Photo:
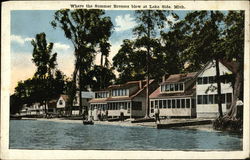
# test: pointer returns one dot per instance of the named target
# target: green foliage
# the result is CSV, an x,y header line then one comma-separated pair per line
x,y
43,57
88,30
146,55
101,77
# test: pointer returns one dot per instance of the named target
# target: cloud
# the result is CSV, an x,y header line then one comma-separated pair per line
x,y
60,46
19,39
124,22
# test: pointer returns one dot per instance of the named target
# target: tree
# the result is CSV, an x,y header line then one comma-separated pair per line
x,y
101,77
45,62
87,30
233,46
148,22
202,38
127,64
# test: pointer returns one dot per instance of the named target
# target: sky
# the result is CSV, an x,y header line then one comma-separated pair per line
x,y
25,24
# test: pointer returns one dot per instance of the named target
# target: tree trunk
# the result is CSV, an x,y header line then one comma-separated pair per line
x,y
147,83
218,87
237,88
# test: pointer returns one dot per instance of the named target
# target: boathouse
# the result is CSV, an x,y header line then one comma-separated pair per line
x,y
206,89
129,97
175,97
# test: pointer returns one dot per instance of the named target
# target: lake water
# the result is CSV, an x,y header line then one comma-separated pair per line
x,y
32,134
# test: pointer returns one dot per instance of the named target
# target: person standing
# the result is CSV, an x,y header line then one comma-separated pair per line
x,y
107,114
157,114
121,114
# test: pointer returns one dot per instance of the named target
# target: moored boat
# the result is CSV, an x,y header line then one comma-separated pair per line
x,y
88,122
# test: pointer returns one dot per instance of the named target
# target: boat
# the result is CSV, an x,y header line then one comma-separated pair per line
x,y
15,117
88,122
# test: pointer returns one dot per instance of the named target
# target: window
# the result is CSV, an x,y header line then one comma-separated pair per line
x,y
173,103
216,99
181,87
162,88
210,99
176,86
199,99
182,103
171,87
169,103
164,103
187,103
205,99
211,79
160,103
199,80
178,103
120,92
152,104
205,80
229,97
167,87
60,102
156,103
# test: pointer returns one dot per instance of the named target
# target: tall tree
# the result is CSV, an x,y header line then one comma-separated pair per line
x,y
85,29
202,35
233,46
149,21
45,61
101,77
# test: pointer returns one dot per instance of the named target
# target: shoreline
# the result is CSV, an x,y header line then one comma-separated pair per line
x,y
206,127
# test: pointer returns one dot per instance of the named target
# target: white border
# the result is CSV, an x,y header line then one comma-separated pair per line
x,y
87,154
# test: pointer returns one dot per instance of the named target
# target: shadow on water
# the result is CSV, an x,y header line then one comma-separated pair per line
x,y
56,135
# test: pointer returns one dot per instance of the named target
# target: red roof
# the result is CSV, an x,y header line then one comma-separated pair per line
x,y
157,93
98,100
175,78
128,84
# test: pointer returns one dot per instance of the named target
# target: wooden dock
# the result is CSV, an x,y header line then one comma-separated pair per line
x,y
181,124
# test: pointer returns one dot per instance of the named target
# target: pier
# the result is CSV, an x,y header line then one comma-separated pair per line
x,y
182,124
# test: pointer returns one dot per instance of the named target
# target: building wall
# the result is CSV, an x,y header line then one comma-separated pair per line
x,y
62,104
183,111
142,112
211,110
133,90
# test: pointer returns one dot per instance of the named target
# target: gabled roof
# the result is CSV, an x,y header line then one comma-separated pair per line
x,y
232,66
127,85
187,93
176,78
65,97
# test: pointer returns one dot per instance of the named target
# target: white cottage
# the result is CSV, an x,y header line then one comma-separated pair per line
x,y
175,97
130,97
206,90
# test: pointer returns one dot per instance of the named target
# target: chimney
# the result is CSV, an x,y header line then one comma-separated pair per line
x,y
164,78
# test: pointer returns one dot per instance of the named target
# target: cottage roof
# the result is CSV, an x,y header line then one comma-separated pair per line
x,y
188,92
128,84
175,78
232,66
65,97
96,100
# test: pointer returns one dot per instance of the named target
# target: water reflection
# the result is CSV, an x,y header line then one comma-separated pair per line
x,y
55,135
